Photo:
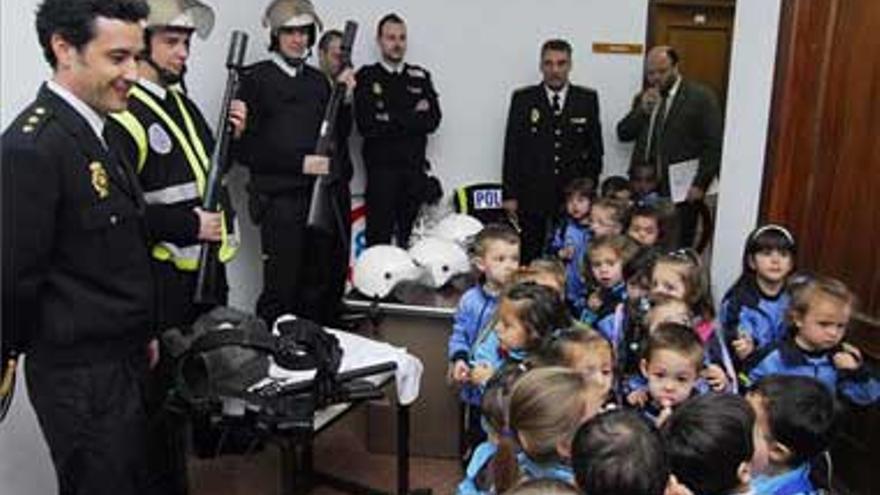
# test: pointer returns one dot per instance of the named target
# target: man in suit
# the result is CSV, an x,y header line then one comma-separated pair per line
x,y
674,120
553,137
396,107
77,287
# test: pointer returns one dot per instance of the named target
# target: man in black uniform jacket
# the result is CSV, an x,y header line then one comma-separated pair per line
x,y
286,99
328,252
553,136
396,108
77,287
671,121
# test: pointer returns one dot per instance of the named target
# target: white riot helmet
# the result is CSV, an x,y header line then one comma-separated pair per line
x,y
458,228
441,259
380,268
282,14
189,15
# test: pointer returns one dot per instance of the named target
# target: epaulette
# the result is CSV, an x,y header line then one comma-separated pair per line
x,y
34,119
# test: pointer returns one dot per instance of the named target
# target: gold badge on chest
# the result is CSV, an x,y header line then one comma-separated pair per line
x,y
535,116
100,181
377,89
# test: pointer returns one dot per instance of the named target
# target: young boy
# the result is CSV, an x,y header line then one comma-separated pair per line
x,y
496,256
796,416
608,216
643,181
618,453
713,445
671,364
617,187
570,240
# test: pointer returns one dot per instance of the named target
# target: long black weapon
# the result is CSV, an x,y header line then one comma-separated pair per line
x,y
321,208
206,283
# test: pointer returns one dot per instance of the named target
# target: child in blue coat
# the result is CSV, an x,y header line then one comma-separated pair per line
x,y
753,310
820,311
795,414
570,240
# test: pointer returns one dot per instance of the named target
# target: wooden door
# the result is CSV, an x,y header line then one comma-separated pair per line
x,y
702,33
822,175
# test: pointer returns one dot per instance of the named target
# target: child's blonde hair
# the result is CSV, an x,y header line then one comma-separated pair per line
x,y
546,407
805,290
549,266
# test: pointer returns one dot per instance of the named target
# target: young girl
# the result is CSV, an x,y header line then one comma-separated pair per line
x,y
547,406
570,240
819,313
753,310
606,257
527,312
682,275
583,350
652,225
622,329
478,474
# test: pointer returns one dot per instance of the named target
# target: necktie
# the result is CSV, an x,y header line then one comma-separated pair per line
x,y
557,108
657,130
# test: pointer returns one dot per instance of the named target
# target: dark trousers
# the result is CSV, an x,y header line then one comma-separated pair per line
x,y
392,203
326,266
283,235
687,217
92,417
167,431
533,238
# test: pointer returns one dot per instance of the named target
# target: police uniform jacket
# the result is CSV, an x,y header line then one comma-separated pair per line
x,y
164,165
77,285
395,134
543,152
284,121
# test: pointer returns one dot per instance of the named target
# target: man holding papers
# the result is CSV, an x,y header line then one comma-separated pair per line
x,y
677,126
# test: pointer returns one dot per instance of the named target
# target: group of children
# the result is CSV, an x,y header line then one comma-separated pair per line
x,y
607,368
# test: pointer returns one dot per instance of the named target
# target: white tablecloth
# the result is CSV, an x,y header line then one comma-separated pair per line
x,y
359,352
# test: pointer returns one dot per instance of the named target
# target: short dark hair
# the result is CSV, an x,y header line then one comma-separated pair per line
x,y
493,232
540,310
707,438
800,411
673,55
328,38
74,20
556,45
392,18
582,186
613,184
619,453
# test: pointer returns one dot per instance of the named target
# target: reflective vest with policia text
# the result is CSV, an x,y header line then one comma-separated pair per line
x,y
165,182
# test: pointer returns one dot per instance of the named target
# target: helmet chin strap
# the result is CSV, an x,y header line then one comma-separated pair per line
x,y
166,77
296,62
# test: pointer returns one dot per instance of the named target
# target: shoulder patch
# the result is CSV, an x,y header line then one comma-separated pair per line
x,y
417,73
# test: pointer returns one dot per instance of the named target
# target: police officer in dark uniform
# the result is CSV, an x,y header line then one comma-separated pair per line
x,y
286,99
328,252
553,136
77,287
169,139
396,108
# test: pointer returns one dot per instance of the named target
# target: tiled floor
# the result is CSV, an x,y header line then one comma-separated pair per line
x,y
340,450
